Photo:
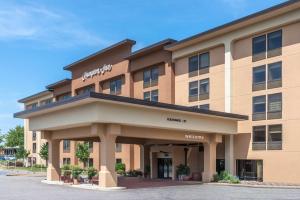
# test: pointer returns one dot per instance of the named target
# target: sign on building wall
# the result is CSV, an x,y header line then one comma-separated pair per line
x,y
98,71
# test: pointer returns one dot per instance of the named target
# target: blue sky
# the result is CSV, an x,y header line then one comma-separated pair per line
x,y
38,38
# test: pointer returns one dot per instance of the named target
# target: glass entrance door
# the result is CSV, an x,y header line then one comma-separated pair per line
x,y
164,168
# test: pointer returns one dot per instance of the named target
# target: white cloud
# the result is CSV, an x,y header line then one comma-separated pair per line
x,y
38,23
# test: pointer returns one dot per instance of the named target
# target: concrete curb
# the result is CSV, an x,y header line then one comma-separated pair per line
x,y
84,186
255,186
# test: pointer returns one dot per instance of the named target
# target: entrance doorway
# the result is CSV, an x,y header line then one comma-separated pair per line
x,y
164,168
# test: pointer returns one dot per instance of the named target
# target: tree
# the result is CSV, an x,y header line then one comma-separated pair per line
x,y
2,139
82,152
15,137
22,153
44,152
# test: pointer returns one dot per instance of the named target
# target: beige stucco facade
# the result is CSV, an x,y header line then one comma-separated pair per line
x,y
169,130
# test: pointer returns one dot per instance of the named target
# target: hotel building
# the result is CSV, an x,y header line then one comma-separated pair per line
x,y
226,98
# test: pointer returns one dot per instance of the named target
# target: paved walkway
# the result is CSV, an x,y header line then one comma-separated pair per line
x,y
31,188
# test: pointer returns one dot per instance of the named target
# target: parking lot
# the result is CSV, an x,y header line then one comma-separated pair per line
x,y
31,188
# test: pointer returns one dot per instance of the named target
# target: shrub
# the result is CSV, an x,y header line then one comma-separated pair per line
x,y
39,166
134,173
120,168
182,170
226,177
91,172
76,171
67,170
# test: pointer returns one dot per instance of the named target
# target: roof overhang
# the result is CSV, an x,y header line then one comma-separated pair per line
x,y
102,108
59,83
35,96
266,14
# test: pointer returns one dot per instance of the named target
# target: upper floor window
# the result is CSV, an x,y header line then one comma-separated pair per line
x,y
90,145
33,147
85,90
151,95
204,86
274,75
151,77
275,137
66,146
199,64
199,90
259,78
116,86
63,96
33,135
259,138
259,108
274,106
46,101
31,106
270,43
204,106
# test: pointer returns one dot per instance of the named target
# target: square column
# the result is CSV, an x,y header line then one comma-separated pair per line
x,y
229,154
210,156
53,170
107,174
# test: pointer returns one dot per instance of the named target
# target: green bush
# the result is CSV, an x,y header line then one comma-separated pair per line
x,y
76,171
39,166
66,170
226,177
183,170
120,168
91,172
134,173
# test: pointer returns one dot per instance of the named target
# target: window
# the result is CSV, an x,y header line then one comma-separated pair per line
x,y
90,145
147,96
204,86
259,138
118,147
274,43
203,60
274,106
199,63
259,78
118,160
31,106
204,107
154,95
85,90
275,137
193,63
45,102
249,170
63,96
151,96
259,108
116,86
66,161
193,91
33,147
151,77
33,135
274,75
259,48
66,146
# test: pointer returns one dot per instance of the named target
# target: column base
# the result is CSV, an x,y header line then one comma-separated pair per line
x,y
207,177
107,179
52,174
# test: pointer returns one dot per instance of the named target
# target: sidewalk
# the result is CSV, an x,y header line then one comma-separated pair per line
x,y
255,184
18,172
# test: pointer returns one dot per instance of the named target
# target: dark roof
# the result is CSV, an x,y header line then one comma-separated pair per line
x,y
126,41
133,101
58,83
151,48
34,96
265,11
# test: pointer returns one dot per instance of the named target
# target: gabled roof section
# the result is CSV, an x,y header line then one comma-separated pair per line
x,y
58,83
116,45
151,48
236,24
34,96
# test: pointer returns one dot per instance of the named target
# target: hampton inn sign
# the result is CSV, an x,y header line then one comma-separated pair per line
x,y
98,71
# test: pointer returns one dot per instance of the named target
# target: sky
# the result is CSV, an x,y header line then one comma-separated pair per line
x,y
38,38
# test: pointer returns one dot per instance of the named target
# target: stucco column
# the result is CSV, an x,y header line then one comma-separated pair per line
x,y
227,72
107,174
53,170
142,161
210,156
229,153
